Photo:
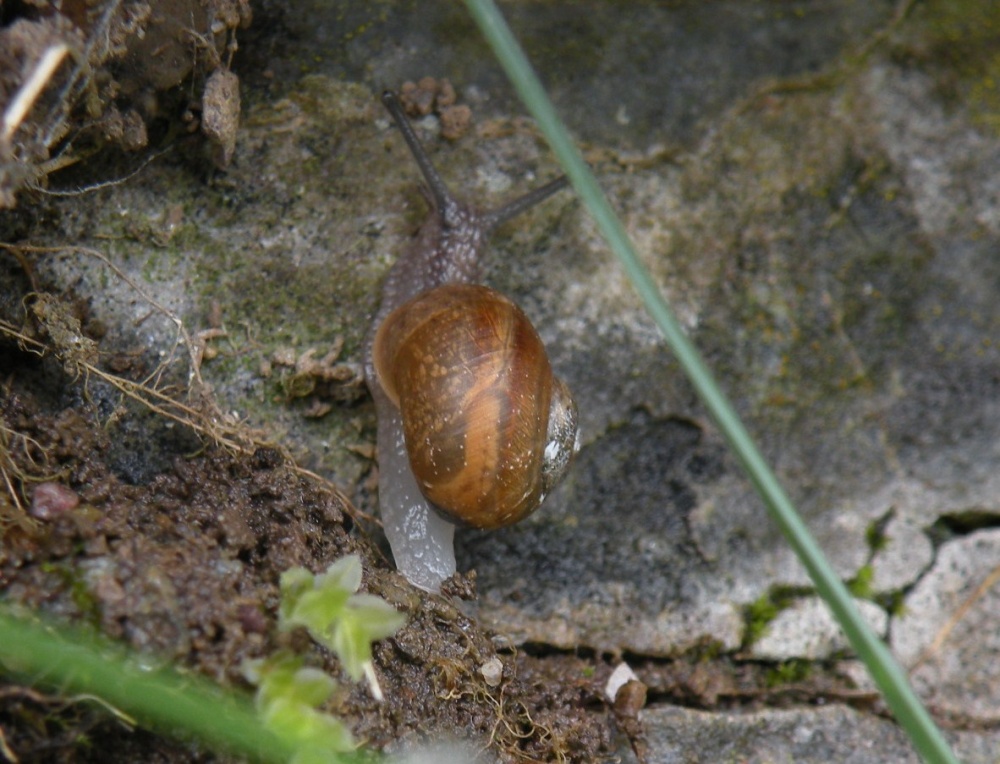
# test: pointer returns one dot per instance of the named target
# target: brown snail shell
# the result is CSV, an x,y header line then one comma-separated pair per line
x,y
488,428
489,472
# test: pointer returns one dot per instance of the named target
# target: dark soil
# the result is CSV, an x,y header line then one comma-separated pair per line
x,y
175,546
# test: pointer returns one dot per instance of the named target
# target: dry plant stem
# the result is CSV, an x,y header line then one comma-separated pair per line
x,y
5,749
56,704
184,337
41,76
207,419
150,397
26,96
10,473
942,636
80,78
231,435
58,163
11,489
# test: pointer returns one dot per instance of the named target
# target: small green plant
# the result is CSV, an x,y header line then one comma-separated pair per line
x,y
788,672
760,613
290,694
288,697
861,585
336,617
894,603
875,535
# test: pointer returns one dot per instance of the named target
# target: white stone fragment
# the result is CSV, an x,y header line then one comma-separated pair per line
x,y
492,671
622,674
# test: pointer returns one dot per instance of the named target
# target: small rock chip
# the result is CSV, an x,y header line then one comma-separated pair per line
x,y
221,113
631,698
51,500
622,674
492,671
455,121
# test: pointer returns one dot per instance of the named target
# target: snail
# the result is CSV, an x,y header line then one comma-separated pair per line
x,y
473,427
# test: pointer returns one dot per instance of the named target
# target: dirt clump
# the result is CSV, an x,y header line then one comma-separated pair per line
x,y
175,547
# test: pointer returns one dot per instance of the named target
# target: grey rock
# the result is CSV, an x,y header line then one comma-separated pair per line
x,y
806,735
807,630
948,636
906,551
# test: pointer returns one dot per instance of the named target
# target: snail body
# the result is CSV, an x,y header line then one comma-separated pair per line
x,y
473,427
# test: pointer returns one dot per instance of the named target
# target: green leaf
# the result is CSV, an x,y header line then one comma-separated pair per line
x,y
338,619
359,625
307,727
344,574
380,619
318,609
312,687
287,697
294,583
282,676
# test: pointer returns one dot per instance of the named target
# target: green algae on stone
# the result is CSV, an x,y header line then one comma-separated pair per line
x,y
956,42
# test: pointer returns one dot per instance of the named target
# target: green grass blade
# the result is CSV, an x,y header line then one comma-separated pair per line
x,y
895,687
156,696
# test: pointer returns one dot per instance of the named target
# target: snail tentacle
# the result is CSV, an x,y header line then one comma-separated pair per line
x,y
473,427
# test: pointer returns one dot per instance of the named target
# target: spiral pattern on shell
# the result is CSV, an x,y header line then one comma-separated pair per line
x,y
474,387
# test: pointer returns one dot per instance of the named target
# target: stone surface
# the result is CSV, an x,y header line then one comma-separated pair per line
x,y
807,630
825,225
948,635
905,551
805,736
